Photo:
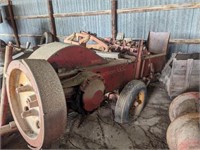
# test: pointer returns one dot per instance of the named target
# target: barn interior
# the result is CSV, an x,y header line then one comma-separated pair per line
x,y
104,74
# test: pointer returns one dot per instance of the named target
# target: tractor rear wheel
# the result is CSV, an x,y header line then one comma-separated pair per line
x,y
131,101
37,101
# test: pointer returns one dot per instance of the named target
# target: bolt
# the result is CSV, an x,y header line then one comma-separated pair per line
x,y
26,108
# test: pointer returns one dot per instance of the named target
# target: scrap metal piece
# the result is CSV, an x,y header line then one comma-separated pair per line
x,y
36,124
183,104
83,38
158,42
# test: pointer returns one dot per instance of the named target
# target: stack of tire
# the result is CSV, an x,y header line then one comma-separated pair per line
x,y
184,131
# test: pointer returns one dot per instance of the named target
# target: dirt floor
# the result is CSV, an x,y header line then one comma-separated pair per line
x,y
98,130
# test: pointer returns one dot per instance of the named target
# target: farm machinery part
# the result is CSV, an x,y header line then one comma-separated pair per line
x,y
58,77
184,131
124,46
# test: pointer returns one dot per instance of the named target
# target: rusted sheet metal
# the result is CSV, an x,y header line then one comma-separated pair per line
x,y
182,74
158,42
116,74
67,56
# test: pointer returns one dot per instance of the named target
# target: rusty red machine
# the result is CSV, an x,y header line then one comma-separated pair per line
x,y
80,74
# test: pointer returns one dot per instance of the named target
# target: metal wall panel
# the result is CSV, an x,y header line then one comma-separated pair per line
x,y
181,23
70,6
95,24
29,7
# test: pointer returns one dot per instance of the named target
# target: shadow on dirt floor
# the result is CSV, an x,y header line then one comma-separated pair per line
x,y
99,130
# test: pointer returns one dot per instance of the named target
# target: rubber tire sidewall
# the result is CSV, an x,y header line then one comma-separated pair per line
x,y
127,98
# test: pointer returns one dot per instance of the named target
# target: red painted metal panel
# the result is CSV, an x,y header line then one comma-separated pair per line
x,y
116,76
72,57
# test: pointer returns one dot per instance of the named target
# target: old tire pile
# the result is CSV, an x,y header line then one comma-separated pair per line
x,y
184,131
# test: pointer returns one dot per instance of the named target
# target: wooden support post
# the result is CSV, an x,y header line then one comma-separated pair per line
x,y
1,19
13,23
52,20
114,19
4,98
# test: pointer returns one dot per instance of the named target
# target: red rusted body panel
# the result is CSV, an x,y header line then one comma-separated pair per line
x,y
116,75
158,62
72,57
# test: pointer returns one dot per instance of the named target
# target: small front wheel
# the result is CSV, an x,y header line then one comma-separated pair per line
x,y
131,101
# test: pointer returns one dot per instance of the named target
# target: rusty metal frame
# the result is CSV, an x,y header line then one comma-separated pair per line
x,y
83,38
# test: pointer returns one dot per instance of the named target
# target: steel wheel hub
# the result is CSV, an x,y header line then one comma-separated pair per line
x,y
138,104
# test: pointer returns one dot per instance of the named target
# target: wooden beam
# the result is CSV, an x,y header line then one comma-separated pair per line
x,y
119,11
51,17
60,15
185,41
171,41
160,8
30,17
20,35
79,14
114,18
13,23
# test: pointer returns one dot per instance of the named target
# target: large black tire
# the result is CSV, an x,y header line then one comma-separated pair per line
x,y
46,38
131,101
